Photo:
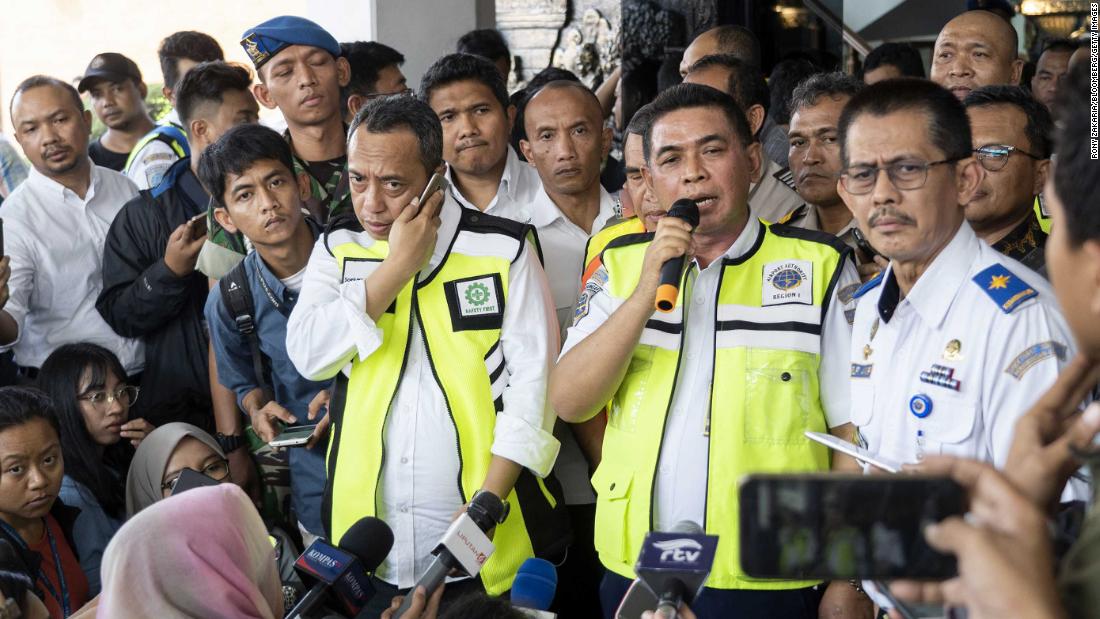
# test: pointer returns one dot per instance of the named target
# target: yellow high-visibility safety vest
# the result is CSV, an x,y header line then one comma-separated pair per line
x,y
460,308
764,396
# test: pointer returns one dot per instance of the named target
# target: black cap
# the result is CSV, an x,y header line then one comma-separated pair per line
x,y
111,67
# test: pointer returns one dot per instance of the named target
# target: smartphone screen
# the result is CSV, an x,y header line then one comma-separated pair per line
x,y
294,436
840,527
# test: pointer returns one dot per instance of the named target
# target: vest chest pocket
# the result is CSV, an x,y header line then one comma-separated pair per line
x,y
612,487
782,399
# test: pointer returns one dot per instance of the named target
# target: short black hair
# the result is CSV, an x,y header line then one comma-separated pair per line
x,y
486,42
947,123
20,405
189,44
389,114
746,82
461,67
208,82
520,98
641,119
683,96
236,151
367,59
37,81
834,84
901,55
740,42
786,75
1040,125
1076,172
481,606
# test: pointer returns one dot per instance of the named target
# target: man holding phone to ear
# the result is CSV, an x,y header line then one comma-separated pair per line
x,y
444,316
151,289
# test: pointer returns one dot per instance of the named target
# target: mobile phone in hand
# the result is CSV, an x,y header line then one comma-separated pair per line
x,y
435,183
294,436
197,225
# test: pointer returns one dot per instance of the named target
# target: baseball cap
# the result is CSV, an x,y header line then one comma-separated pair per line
x,y
109,66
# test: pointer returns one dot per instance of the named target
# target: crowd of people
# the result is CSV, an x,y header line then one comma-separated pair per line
x,y
452,291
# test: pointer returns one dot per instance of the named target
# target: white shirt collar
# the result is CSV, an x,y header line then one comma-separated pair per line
x,y
508,184
50,186
935,290
745,242
544,211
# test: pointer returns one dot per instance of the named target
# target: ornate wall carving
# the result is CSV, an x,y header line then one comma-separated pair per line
x,y
581,36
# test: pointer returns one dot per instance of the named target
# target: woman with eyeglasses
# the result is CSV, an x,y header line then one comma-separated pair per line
x,y
88,387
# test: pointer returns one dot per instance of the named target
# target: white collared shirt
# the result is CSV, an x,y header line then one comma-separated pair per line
x,y
681,481
55,240
519,187
771,198
972,363
329,328
563,243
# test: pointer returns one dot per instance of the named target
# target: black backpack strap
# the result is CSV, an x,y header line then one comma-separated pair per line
x,y
237,298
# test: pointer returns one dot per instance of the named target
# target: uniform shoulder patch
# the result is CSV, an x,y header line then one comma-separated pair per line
x,y
1032,355
869,286
786,177
794,215
1006,289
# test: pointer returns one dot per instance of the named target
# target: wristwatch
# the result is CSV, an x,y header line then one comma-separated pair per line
x,y
229,442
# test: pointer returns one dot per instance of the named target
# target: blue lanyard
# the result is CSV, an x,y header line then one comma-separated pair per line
x,y
63,599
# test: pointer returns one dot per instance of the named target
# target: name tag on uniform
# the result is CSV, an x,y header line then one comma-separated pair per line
x,y
356,269
789,281
476,302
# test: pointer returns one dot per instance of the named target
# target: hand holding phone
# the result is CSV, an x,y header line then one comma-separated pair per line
x,y
294,436
436,183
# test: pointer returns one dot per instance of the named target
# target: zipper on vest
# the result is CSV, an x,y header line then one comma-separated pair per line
x,y
439,383
671,397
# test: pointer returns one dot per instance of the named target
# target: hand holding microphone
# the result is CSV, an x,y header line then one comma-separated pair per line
x,y
666,255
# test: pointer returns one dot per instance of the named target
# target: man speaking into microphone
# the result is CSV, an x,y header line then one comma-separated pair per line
x,y
753,353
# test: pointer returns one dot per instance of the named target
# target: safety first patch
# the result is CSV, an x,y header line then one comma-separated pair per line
x,y
477,297
790,281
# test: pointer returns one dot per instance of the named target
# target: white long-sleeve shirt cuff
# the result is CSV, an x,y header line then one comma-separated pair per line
x,y
526,445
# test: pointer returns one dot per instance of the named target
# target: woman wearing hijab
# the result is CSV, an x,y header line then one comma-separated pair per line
x,y
161,458
192,569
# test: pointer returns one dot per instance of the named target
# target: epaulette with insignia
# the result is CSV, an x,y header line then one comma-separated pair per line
x,y
786,177
1006,289
869,286
794,215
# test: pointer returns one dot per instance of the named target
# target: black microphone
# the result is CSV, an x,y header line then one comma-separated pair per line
x,y
339,574
673,269
675,565
464,547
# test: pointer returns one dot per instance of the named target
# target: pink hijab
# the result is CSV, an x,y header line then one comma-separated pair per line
x,y
204,553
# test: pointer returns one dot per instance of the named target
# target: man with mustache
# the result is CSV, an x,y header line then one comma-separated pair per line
x,y
677,441
301,73
772,193
1012,133
815,163
954,341
469,95
55,224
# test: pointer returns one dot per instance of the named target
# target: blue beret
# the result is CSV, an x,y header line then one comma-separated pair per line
x,y
267,39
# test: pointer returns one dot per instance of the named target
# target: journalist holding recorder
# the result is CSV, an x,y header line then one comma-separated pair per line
x,y
757,306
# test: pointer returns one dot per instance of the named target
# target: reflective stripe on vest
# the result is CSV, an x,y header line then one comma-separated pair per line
x,y
460,310
169,134
764,395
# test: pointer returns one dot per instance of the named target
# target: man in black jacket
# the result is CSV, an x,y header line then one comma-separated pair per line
x,y
150,287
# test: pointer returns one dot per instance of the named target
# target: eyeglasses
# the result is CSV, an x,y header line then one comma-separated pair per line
x,y
217,471
124,395
400,93
906,175
994,157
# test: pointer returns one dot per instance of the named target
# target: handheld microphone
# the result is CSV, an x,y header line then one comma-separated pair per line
x,y
464,547
340,573
675,565
534,587
673,269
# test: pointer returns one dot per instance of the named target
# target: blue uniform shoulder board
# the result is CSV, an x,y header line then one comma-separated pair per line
x,y
869,286
1003,286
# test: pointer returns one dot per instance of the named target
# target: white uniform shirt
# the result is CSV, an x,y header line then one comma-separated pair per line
x,y
681,481
971,362
148,165
563,243
519,187
329,328
771,198
55,240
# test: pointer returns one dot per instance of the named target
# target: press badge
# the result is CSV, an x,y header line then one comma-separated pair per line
x,y
475,302
789,281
